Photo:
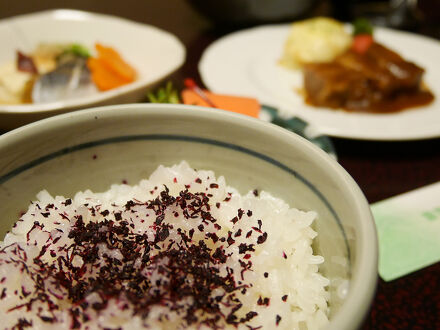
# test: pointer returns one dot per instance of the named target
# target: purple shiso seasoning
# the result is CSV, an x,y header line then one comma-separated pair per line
x,y
131,281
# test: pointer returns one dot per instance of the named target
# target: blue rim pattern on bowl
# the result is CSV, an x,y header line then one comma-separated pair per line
x,y
129,138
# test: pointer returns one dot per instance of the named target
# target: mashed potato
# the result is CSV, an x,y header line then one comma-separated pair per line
x,y
318,39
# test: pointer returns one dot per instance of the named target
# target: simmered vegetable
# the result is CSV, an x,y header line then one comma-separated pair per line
x,y
109,70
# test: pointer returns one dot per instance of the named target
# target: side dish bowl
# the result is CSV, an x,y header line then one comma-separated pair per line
x,y
124,143
153,53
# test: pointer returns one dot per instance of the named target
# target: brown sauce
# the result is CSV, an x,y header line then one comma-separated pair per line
x,y
403,101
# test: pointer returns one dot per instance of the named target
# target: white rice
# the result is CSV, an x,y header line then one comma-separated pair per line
x,y
283,285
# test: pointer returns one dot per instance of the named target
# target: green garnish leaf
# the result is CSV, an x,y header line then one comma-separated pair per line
x,y
78,50
362,26
167,94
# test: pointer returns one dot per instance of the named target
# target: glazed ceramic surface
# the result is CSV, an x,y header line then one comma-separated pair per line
x,y
94,148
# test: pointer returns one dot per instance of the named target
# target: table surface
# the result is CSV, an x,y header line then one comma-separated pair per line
x,y
382,169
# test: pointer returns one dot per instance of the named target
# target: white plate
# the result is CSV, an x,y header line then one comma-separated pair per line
x,y
246,63
152,52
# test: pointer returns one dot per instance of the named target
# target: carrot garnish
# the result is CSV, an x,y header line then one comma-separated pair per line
x,y
109,70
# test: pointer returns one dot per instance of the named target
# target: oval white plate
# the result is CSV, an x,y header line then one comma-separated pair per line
x,y
246,63
154,53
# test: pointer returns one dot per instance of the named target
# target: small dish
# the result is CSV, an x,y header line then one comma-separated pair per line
x,y
154,53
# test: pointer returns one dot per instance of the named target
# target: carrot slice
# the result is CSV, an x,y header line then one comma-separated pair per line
x,y
362,42
243,105
108,69
112,58
103,78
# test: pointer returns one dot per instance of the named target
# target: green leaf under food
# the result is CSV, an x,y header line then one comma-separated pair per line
x,y
362,26
167,94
